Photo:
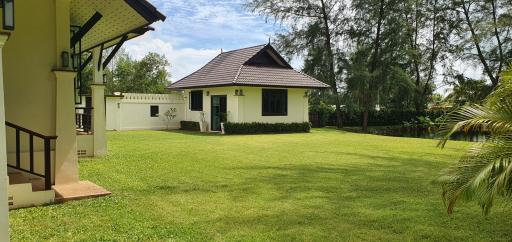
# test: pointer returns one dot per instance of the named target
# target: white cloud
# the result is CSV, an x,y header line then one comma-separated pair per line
x,y
195,31
183,61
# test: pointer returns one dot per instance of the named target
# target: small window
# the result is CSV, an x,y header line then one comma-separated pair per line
x,y
274,102
154,111
196,100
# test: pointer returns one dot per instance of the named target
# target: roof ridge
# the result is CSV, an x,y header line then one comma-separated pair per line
x,y
263,45
238,73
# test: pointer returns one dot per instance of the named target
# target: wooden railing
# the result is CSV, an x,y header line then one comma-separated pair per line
x,y
83,119
47,153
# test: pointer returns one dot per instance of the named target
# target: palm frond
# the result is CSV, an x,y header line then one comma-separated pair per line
x,y
485,171
496,119
482,174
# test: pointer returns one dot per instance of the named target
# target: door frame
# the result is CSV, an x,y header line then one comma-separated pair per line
x,y
211,110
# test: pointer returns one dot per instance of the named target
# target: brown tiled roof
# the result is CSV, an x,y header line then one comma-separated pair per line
x,y
232,69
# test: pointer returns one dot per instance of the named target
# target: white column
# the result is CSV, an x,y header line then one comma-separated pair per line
x,y
98,103
66,158
4,179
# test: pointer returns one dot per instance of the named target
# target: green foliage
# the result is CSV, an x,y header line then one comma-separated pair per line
x,y
392,117
190,125
468,91
262,128
148,75
485,171
323,112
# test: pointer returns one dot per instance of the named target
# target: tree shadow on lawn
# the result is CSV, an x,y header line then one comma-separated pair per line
x,y
389,196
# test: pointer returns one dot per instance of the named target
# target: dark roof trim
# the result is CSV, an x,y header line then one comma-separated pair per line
x,y
146,10
83,30
114,51
266,48
133,31
242,84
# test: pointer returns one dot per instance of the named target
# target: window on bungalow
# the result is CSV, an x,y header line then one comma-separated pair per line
x,y
196,100
154,111
274,102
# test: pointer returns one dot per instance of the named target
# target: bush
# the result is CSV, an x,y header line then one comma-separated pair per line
x,y
386,117
190,125
265,128
319,114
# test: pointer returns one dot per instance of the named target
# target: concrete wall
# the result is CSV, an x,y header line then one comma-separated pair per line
x,y
132,111
247,108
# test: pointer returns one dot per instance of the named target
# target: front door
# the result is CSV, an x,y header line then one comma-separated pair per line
x,y
219,111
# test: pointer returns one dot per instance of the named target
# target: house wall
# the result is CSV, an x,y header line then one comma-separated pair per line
x,y
132,111
30,96
248,108
232,104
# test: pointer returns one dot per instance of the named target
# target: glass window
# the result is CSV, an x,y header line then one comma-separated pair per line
x,y
154,111
274,102
196,100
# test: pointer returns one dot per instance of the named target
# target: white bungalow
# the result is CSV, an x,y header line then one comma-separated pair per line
x,y
252,84
45,44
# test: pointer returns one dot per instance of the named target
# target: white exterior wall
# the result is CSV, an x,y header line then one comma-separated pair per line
x,y
251,106
247,108
132,111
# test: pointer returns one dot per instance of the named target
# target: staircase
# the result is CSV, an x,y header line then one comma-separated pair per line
x,y
29,169
26,190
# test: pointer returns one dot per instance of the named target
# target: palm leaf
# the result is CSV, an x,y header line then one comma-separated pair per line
x,y
485,171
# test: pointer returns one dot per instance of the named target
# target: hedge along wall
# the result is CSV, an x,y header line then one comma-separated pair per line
x,y
266,128
190,125
382,118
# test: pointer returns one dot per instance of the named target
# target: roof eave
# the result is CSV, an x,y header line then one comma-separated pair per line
x,y
244,84
146,10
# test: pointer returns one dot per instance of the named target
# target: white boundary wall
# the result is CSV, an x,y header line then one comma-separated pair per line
x,y
132,111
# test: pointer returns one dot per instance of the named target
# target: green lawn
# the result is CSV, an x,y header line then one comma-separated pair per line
x,y
323,186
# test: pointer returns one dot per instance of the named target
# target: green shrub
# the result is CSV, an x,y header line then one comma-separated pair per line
x,y
266,128
319,114
190,125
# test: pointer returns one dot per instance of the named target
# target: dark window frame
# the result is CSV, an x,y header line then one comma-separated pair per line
x,y
195,102
270,104
152,110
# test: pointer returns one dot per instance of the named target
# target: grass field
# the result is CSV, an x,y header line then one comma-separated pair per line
x,y
327,185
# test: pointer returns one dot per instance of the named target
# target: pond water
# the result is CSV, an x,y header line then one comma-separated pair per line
x,y
420,132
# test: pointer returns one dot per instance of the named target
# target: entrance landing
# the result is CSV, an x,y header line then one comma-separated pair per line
x,y
78,191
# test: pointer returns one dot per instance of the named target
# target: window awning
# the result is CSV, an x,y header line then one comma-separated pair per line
x,y
119,18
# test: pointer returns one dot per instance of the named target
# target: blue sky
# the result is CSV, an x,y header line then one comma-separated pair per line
x,y
196,30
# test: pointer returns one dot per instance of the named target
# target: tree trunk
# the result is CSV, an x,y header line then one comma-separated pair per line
x,y
476,42
373,67
330,59
365,120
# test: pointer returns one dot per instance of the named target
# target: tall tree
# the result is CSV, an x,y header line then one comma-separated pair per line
x,y
485,36
148,75
429,28
316,32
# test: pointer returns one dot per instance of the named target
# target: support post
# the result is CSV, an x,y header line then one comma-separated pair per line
x,y
4,179
66,158
98,104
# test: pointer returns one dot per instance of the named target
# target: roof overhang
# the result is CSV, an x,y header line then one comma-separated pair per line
x,y
119,18
242,85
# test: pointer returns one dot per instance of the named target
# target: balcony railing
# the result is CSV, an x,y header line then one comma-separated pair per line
x,y
83,119
47,153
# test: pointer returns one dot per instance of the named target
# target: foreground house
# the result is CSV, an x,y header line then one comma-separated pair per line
x,y
253,84
45,44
